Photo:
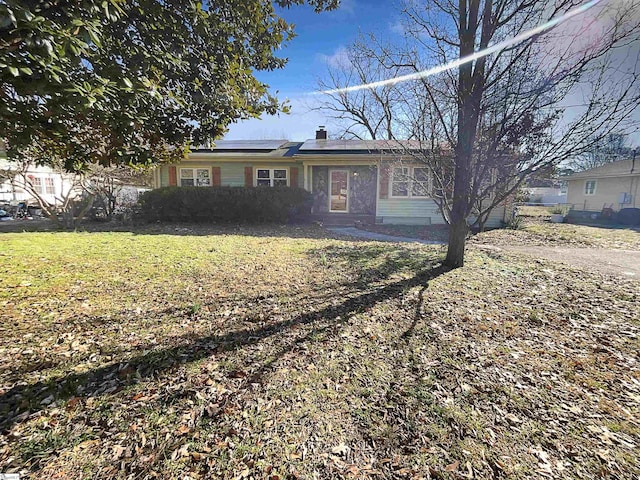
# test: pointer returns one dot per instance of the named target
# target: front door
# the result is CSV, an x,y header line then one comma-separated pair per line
x,y
339,191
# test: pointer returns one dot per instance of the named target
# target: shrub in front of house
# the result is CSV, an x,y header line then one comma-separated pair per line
x,y
224,204
558,210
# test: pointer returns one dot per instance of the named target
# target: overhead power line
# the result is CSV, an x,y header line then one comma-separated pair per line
x,y
470,58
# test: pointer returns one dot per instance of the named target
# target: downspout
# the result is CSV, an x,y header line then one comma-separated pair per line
x,y
633,166
377,207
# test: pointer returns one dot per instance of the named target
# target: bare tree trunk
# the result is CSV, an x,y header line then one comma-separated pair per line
x,y
502,119
468,111
458,231
458,228
81,214
483,217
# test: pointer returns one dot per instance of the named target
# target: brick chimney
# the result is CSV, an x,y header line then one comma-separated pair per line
x,y
321,133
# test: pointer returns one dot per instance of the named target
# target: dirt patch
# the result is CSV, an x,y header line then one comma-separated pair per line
x,y
605,250
36,224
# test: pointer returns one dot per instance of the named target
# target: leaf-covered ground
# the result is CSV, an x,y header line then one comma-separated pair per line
x,y
537,230
439,233
279,353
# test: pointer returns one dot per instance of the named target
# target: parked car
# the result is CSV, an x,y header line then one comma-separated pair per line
x,y
629,216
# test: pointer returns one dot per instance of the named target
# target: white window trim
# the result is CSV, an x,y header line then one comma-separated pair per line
x,y
391,182
195,175
37,183
52,184
271,178
410,182
595,187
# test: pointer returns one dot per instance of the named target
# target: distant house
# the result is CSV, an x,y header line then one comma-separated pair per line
x,y
612,186
547,191
50,185
349,179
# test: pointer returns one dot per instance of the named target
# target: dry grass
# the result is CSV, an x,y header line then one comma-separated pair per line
x,y
281,353
534,212
535,230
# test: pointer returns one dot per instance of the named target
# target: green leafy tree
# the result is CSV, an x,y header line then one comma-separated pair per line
x,y
136,81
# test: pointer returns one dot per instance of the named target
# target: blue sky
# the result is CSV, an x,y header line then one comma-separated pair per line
x,y
320,37
320,40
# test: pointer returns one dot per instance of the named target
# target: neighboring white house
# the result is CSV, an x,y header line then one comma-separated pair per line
x,y
552,194
51,185
614,186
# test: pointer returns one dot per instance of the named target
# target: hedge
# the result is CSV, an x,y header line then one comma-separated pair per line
x,y
224,204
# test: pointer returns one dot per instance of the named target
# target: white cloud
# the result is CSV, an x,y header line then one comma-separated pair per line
x,y
338,59
398,26
348,6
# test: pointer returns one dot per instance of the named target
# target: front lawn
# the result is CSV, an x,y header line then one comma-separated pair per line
x,y
280,353
536,230
437,233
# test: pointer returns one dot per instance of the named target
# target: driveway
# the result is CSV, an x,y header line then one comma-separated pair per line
x,y
623,263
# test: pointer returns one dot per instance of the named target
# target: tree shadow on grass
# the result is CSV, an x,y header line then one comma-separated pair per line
x,y
417,315
367,265
367,290
265,230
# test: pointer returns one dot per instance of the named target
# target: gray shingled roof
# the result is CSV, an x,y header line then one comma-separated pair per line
x,y
252,148
614,169
355,145
249,144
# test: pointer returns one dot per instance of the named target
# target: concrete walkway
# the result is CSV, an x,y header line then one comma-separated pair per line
x,y
380,237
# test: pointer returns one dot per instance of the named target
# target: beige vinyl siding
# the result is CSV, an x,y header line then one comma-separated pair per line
x,y
424,211
496,218
606,193
408,211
